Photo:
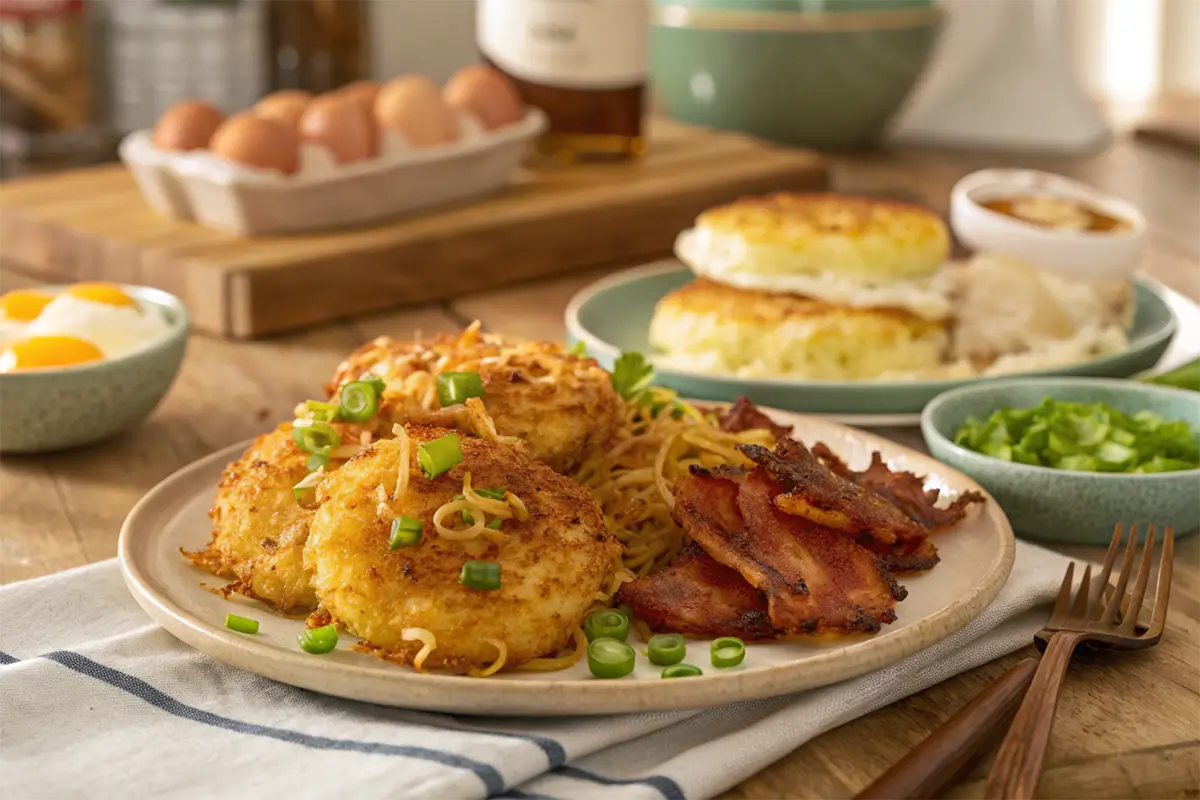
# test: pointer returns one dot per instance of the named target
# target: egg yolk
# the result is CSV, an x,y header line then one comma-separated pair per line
x,y
22,305
104,293
47,351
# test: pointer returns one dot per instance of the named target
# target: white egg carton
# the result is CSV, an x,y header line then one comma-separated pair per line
x,y
323,194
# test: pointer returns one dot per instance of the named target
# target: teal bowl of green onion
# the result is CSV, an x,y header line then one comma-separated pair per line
x,y
1069,458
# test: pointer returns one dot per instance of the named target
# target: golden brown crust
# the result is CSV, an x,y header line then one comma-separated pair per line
x,y
747,306
551,565
787,218
560,405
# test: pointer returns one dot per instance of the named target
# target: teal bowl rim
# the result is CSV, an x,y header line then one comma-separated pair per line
x,y
677,16
596,345
929,429
179,329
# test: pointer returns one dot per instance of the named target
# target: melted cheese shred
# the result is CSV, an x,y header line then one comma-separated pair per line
x,y
456,507
404,470
427,640
562,662
495,666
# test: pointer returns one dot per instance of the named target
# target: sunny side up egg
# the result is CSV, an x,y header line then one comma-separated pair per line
x,y
86,322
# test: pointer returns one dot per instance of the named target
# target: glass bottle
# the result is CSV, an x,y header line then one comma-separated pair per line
x,y
582,62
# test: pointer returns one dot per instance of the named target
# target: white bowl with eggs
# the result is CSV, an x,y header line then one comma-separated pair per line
x,y
296,163
1053,222
82,363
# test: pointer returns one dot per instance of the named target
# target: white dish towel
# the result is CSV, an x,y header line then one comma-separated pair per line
x,y
96,701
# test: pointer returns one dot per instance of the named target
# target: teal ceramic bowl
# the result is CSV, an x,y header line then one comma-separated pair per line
x,y
820,73
614,314
1053,505
55,409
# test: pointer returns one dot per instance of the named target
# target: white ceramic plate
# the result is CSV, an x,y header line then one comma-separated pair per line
x,y
976,558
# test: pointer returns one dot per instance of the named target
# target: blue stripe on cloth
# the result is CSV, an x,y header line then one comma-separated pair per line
x,y
491,778
6,659
517,794
555,753
669,788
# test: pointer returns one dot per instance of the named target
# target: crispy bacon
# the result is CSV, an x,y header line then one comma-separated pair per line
x,y
902,489
696,595
743,415
810,490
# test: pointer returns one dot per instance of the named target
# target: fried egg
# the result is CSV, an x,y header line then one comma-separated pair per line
x,y
17,309
38,352
102,314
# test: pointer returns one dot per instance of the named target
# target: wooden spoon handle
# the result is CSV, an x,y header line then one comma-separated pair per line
x,y
935,762
1018,765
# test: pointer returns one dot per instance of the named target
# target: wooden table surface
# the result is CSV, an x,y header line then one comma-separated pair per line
x,y
1128,725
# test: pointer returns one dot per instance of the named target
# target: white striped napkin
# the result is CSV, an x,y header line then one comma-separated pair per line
x,y
97,701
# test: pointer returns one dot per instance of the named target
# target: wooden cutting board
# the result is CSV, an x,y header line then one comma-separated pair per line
x,y
92,224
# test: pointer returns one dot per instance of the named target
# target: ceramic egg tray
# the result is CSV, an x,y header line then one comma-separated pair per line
x,y
227,197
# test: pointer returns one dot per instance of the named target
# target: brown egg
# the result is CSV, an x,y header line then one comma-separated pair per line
x,y
362,92
257,142
286,106
486,94
187,125
413,107
341,125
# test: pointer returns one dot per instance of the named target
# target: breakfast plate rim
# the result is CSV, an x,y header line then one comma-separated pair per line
x,y
539,697
735,384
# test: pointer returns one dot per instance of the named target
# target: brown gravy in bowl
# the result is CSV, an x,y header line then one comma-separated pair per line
x,y
1057,213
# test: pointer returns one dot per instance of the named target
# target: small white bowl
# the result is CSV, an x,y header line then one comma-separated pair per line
x,y
1082,255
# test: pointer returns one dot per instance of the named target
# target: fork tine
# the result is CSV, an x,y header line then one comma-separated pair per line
x,y
1163,595
1058,617
1080,606
1106,571
1129,621
1113,609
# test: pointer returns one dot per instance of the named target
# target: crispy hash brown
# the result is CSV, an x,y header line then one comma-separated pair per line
x,y
552,562
557,407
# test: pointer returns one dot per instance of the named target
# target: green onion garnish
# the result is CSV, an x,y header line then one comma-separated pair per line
x,y
439,455
666,648
483,575
303,490
491,494
322,412
375,381
495,524
455,388
578,349
318,640
314,436
360,401
728,651
406,532
317,460
609,658
681,671
1084,437
607,624
241,624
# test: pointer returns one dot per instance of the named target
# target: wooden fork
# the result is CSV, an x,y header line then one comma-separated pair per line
x,y
934,764
1018,765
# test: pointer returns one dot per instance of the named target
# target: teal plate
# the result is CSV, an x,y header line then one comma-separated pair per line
x,y
613,315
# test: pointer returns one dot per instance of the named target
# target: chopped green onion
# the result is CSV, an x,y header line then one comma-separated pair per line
x,y
483,575
666,648
607,624
318,640
578,349
1083,437
727,651
681,671
322,412
303,490
375,381
241,624
317,460
455,388
439,455
495,524
314,436
360,401
406,532
610,658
